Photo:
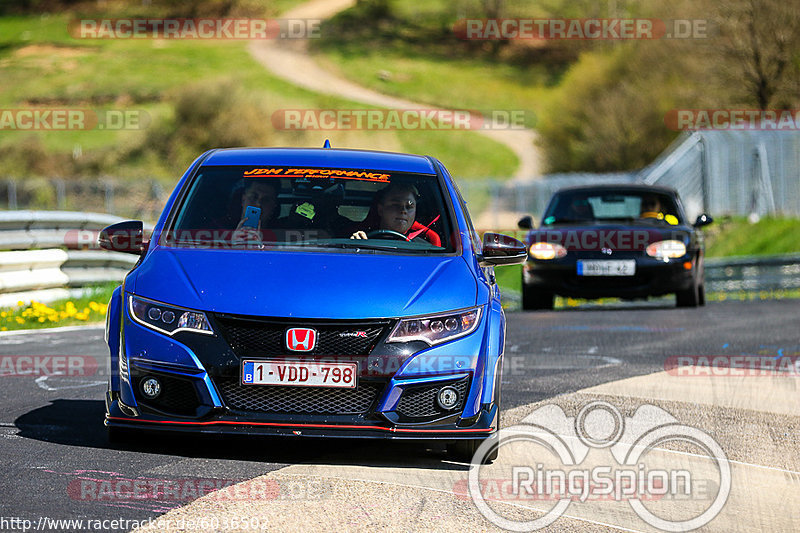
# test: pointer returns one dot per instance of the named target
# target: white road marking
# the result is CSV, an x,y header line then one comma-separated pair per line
x,y
40,381
51,330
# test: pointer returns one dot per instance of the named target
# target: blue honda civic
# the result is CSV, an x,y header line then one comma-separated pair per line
x,y
310,292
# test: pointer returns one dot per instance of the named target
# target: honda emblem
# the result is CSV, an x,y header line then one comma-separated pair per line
x,y
301,339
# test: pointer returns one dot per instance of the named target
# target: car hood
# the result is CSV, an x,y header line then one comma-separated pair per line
x,y
305,284
617,237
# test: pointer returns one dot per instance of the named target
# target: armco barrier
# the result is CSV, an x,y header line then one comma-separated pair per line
x,y
27,230
28,272
753,273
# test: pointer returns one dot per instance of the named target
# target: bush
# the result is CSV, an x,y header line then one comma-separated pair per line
x,y
206,115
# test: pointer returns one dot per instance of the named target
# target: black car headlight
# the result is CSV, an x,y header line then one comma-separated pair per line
x,y
435,329
545,251
665,250
165,318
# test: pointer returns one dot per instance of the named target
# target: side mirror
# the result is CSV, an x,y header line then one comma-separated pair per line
x,y
703,220
127,237
525,222
502,250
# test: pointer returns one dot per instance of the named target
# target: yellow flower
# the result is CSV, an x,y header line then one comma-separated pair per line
x,y
20,320
3,328
41,319
20,303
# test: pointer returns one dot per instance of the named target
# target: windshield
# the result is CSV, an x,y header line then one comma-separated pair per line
x,y
275,208
612,206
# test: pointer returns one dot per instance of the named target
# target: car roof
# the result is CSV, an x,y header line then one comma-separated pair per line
x,y
322,158
628,187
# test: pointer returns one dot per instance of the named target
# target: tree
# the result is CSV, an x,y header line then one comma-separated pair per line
x,y
760,51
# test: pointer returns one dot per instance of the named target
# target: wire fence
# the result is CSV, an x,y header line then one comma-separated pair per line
x,y
137,199
748,173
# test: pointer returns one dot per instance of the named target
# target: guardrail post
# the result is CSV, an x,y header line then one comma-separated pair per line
x,y
703,170
109,193
61,194
12,194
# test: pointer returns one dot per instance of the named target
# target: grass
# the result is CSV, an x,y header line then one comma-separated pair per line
x,y
42,66
736,236
452,83
35,315
412,52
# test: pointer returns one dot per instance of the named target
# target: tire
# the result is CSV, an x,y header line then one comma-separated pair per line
x,y
701,294
120,437
536,300
464,450
689,297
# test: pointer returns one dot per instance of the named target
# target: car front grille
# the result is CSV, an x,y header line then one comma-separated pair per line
x,y
299,400
419,401
250,337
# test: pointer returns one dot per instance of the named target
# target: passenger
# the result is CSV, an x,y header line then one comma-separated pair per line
x,y
395,210
262,194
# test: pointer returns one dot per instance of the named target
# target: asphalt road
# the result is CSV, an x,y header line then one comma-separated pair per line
x,y
58,464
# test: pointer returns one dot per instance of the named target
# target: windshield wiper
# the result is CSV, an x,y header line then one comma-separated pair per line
x,y
360,243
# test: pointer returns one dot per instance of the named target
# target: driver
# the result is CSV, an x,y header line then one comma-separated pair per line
x,y
650,207
395,209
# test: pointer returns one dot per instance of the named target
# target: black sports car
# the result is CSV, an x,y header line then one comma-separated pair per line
x,y
627,241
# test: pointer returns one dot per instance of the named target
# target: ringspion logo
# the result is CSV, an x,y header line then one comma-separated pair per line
x,y
551,462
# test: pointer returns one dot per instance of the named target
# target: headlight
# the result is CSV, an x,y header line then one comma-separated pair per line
x,y
547,250
666,249
167,318
436,329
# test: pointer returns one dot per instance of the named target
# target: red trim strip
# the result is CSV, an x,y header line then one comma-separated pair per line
x,y
279,424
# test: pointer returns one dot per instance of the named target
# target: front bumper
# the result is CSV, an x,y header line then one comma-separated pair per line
x,y
119,415
652,278
202,391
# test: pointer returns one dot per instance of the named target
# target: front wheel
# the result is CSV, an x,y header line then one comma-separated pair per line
x,y
463,451
121,436
689,297
536,299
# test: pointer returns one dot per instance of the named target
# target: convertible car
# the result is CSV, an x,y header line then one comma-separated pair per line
x,y
310,292
628,241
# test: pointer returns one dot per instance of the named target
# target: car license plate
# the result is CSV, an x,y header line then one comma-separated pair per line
x,y
607,268
299,374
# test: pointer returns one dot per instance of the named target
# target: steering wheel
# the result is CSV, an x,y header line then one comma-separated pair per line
x,y
383,233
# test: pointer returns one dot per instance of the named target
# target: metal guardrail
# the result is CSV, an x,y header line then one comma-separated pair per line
x,y
753,273
28,272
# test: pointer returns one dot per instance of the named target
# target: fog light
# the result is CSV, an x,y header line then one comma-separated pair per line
x,y
447,398
151,388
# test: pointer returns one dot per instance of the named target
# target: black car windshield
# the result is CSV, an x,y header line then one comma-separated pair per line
x,y
611,206
282,208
